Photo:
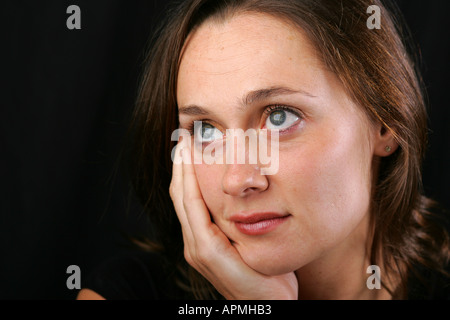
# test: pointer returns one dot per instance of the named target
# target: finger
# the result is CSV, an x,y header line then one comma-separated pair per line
x,y
194,204
176,184
176,193
208,238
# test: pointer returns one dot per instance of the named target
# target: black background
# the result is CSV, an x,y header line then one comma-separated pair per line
x,y
66,97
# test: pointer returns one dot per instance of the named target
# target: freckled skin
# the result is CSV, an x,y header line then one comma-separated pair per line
x,y
325,163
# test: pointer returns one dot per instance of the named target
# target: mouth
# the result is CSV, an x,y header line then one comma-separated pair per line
x,y
259,223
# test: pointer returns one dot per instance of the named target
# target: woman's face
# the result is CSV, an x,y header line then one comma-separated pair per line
x,y
254,71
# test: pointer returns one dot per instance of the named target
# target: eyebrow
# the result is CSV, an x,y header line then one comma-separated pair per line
x,y
249,98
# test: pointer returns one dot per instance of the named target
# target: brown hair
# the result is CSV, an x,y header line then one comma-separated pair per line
x,y
378,73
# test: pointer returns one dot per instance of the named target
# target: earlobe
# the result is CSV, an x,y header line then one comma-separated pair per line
x,y
385,144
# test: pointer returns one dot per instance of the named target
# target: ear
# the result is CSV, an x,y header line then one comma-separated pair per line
x,y
385,144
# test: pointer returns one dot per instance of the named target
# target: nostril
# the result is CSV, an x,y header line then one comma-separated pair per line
x,y
242,180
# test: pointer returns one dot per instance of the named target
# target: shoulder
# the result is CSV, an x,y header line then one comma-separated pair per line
x,y
135,275
88,294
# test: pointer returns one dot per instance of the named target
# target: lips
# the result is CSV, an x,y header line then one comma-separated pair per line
x,y
258,223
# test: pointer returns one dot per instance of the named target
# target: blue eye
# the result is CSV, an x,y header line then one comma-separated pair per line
x,y
208,133
281,119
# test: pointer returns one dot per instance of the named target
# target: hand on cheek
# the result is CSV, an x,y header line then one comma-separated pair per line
x,y
209,251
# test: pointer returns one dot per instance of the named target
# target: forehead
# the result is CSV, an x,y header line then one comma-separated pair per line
x,y
244,45
246,30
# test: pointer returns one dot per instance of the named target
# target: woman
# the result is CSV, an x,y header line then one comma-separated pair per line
x,y
347,107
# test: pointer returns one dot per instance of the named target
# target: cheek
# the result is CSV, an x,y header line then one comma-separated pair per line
x,y
327,182
211,189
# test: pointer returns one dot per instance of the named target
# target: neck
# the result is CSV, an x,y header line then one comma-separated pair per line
x,y
341,273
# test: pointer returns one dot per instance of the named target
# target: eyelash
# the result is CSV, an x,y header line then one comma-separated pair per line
x,y
267,111
190,126
277,107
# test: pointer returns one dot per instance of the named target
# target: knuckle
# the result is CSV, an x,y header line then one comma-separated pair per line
x,y
204,255
199,256
186,205
190,202
188,257
172,191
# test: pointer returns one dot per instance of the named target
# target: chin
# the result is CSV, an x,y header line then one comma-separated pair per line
x,y
269,264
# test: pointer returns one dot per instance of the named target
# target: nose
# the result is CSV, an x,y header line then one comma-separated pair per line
x,y
241,180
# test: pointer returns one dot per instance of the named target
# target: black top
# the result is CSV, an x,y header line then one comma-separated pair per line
x,y
134,276
142,276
